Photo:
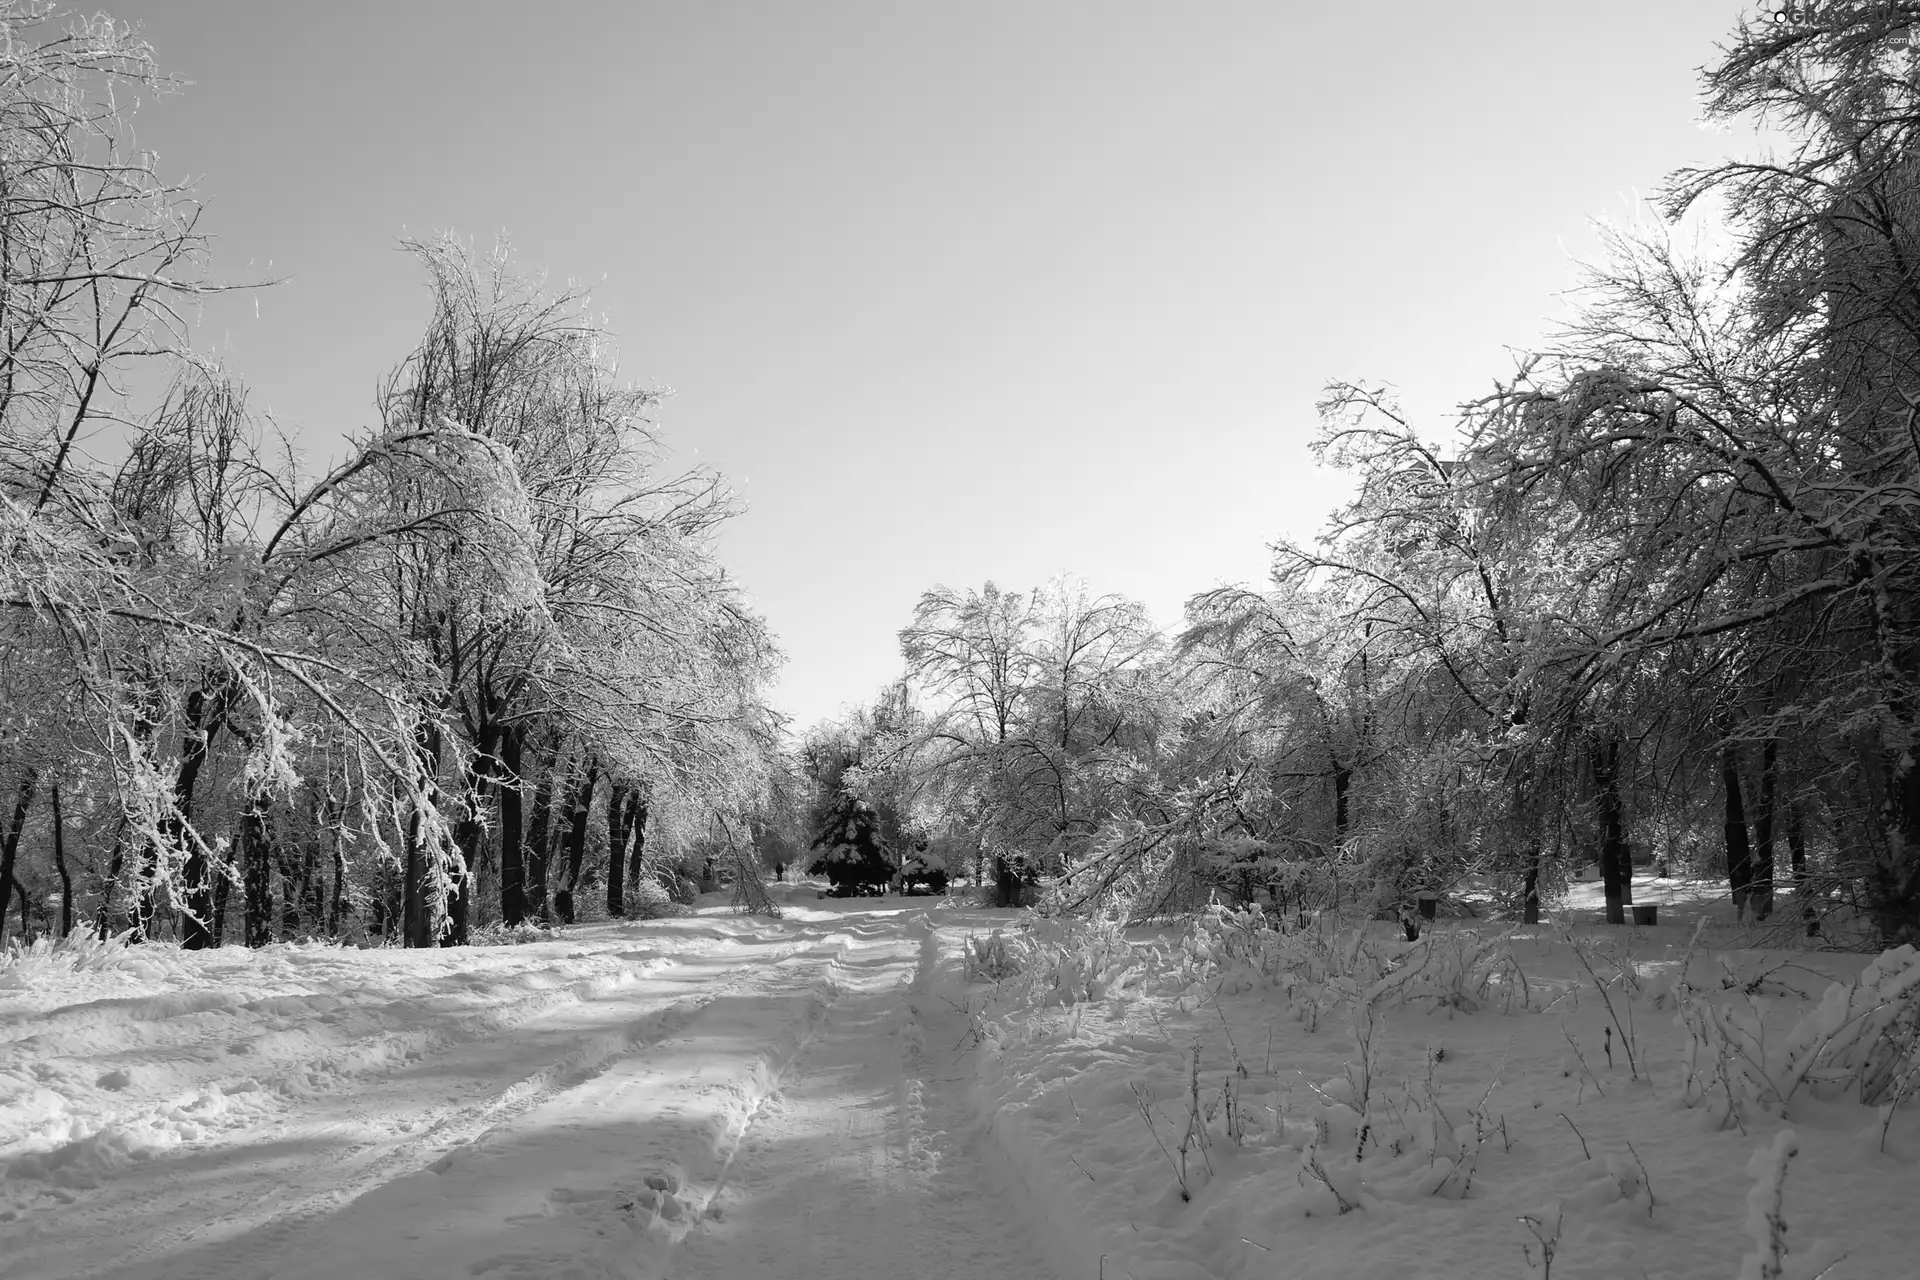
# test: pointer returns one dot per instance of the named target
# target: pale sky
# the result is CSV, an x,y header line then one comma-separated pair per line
x,y
952,292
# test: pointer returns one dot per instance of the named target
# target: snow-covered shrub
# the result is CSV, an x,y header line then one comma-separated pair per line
x,y
648,899
1319,968
923,872
1242,949
1071,962
1236,862
1767,1224
1866,1033
1453,969
1863,1039
682,887
496,934
993,958
80,951
1302,888
1364,1147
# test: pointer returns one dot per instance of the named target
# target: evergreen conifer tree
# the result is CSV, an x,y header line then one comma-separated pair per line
x,y
852,855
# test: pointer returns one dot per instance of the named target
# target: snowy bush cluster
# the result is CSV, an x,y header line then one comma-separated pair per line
x,y
1229,952
496,934
993,958
648,899
1861,1041
1323,967
79,951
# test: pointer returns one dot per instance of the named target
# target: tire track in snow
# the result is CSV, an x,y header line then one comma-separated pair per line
x,y
734,1140
868,1160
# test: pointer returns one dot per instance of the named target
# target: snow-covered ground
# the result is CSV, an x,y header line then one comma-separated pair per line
x,y
707,1096
721,1098
1518,1101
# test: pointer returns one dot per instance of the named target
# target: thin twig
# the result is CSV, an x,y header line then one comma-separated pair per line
x,y
1626,1038
1576,1133
1646,1179
1213,996
1147,1115
1582,1058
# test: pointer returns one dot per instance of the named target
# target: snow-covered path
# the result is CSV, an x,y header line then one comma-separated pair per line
x,y
868,1162
700,1098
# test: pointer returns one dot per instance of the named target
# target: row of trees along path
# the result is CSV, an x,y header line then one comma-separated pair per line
x,y
242,696
1658,593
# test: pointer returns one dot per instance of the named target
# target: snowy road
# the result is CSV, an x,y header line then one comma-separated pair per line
x,y
705,1098
867,1162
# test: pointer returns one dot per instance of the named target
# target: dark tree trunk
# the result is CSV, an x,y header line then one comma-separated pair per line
x,y
116,862
540,845
285,905
146,722
468,833
575,846
143,899
1797,855
1739,853
467,836
385,902
1006,882
222,892
420,886
617,830
1760,891
256,872
302,898
416,927
336,900
60,864
1894,884
1615,866
624,841
513,871
1530,892
1342,799
313,878
204,715
295,864
637,854
416,914
10,841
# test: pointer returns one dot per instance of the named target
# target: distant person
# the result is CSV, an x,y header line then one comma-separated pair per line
x,y
779,871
